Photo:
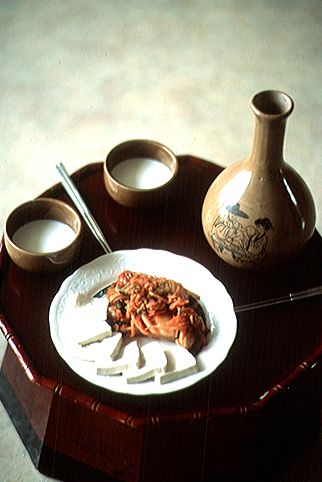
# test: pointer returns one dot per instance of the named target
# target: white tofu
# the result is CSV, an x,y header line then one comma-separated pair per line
x,y
181,363
95,308
90,320
130,359
155,361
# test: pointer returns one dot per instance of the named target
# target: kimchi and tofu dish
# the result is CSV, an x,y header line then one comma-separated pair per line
x,y
154,309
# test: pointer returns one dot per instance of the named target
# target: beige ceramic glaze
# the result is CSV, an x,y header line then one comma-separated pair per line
x,y
133,149
260,211
37,209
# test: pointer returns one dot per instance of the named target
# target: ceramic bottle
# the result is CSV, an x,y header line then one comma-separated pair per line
x,y
259,211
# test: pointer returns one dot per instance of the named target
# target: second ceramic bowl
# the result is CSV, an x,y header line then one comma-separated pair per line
x,y
139,173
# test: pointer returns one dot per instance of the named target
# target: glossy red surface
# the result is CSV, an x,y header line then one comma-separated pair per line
x,y
276,348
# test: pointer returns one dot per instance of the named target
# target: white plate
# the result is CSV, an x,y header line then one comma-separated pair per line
x,y
96,275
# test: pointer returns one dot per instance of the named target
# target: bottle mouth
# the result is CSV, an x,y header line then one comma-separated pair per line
x,y
272,104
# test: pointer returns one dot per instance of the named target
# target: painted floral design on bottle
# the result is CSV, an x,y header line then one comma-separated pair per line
x,y
245,243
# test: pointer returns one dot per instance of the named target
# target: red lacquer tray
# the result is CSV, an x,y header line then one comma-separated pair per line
x,y
257,408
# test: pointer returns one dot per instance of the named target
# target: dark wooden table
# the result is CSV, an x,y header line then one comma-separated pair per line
x,y
260,407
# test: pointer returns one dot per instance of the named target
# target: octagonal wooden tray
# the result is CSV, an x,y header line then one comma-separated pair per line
x,y
256,409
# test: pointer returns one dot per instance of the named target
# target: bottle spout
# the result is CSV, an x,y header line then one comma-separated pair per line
x,y
272,105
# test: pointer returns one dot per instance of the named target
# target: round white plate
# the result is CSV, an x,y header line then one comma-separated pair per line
x,y
96,275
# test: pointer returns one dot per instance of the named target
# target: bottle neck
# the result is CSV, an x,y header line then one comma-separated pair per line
x,y
268,142
271,109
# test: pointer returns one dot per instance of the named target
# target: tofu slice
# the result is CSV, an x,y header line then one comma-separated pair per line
x,y
100,351
155,361
90,320
181,363
130,359
96,336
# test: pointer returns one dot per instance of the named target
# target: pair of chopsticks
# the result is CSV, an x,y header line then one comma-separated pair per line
x,y
299,295
75,196
79,202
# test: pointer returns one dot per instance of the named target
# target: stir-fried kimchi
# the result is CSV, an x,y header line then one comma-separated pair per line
x,y
156,307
